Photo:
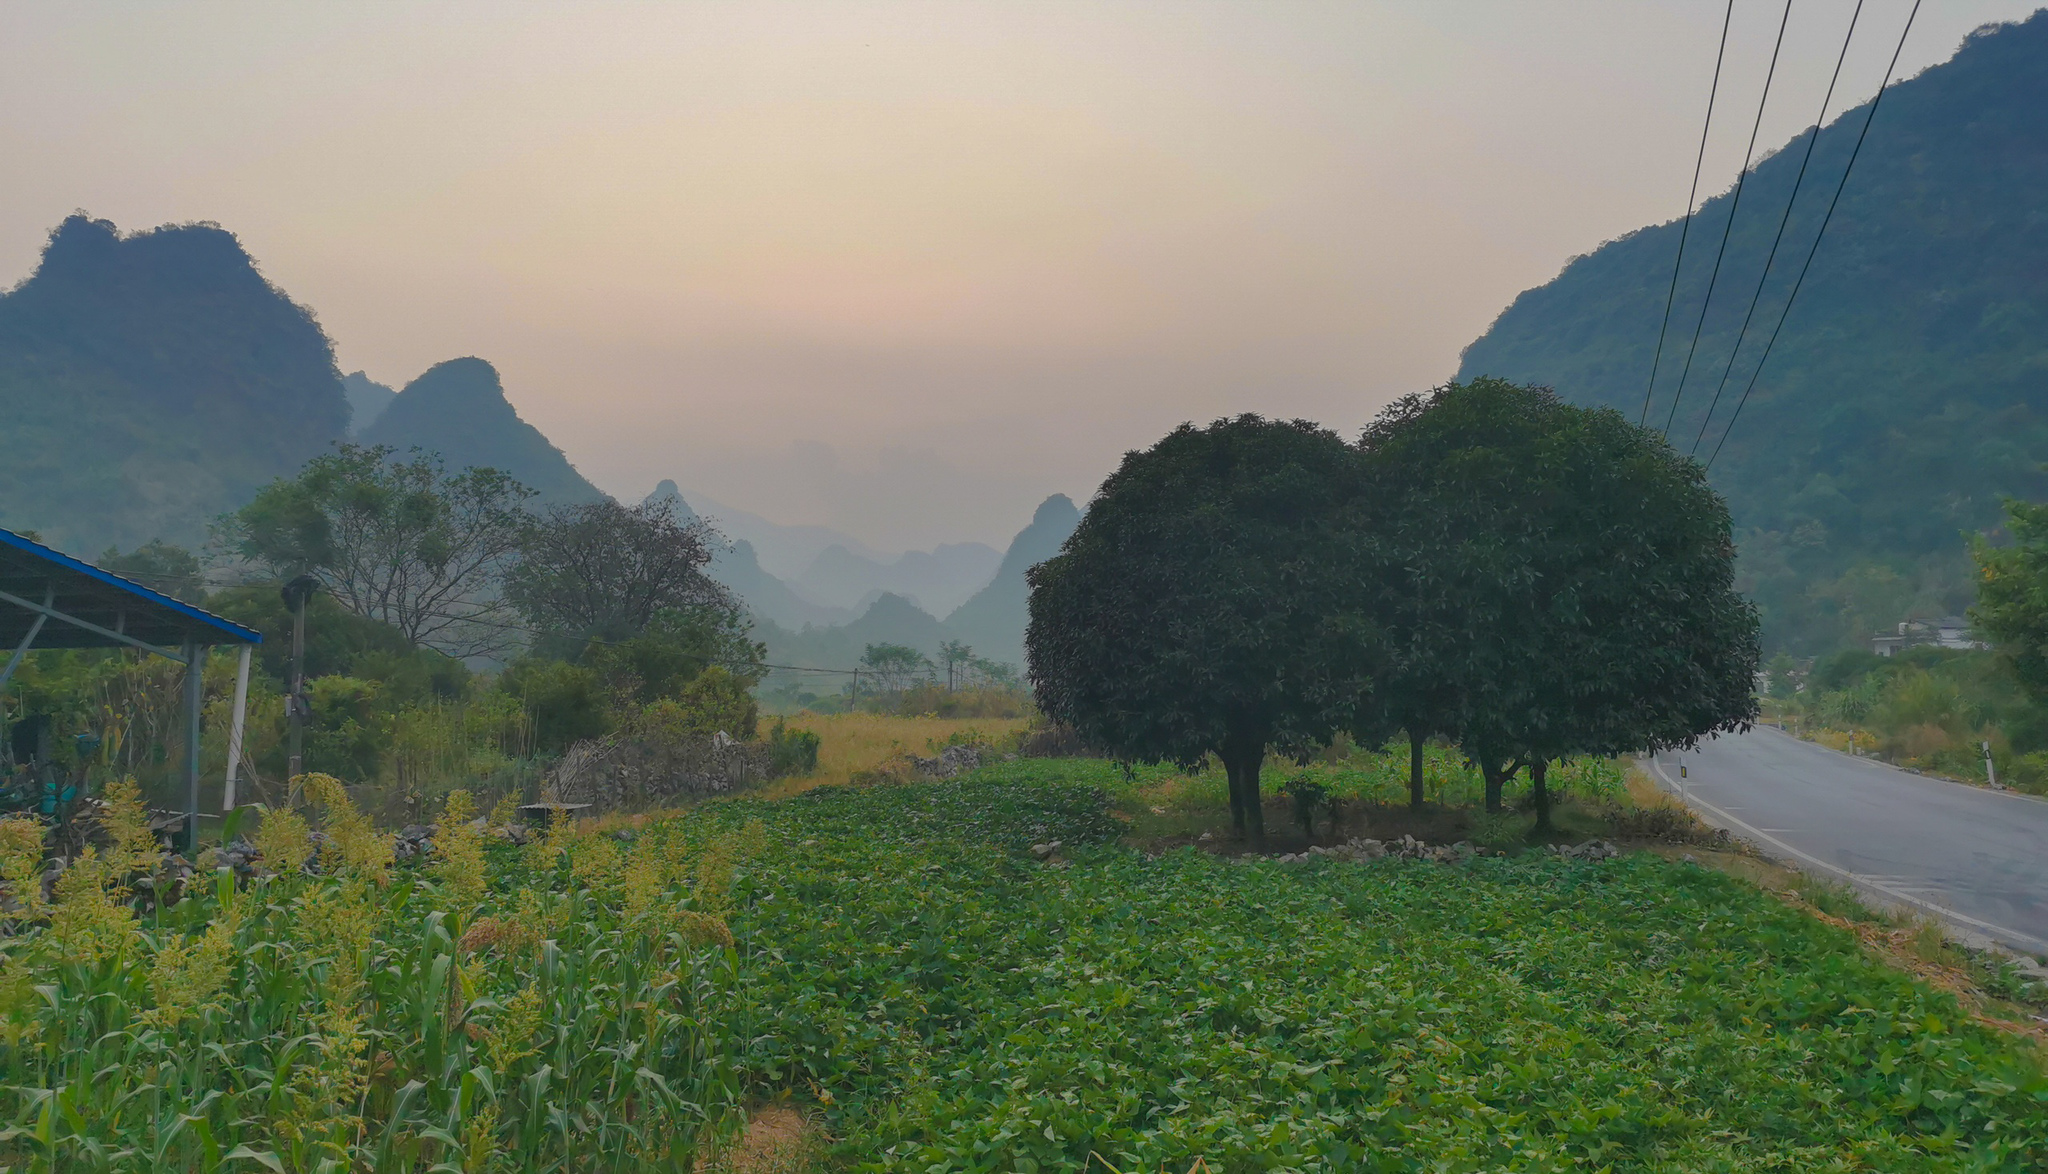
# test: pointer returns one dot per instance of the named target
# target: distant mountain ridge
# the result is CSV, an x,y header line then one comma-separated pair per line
x,y
367,400
993,620
151,382
458,408
937,580
1909,390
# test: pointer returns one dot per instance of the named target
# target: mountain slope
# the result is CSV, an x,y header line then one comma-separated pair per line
x,y
458,409
992,622
765,595
938,580
151,382
367,400
890,619
785,550
1909,389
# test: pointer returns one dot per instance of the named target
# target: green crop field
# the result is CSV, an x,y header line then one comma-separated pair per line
x,y
899,960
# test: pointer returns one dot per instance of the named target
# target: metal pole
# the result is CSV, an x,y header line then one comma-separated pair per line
x,y
227,792
295,697
195,699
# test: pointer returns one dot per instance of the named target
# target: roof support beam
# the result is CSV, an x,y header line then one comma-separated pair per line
x,y
47,612
21,650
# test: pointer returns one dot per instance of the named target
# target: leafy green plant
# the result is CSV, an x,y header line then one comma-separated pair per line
x,y
792,752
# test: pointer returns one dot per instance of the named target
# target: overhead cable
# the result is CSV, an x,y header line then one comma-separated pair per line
x,y
1846,168
1691,198
1726,229
1812,137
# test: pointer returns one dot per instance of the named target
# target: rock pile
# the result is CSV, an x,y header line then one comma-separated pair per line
x,y
951,761
1590,850
415,840
1359,850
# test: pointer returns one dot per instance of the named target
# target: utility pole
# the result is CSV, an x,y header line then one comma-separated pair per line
x,y
296,706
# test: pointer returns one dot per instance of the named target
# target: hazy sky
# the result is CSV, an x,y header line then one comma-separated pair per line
x,y
904,269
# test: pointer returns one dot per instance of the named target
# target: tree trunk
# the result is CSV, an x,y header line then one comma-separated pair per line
x,y
1497,775
1230,772
1540,788
1242,757
1415,741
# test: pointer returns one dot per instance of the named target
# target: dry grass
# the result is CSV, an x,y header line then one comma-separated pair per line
x,y
850,742
778,1139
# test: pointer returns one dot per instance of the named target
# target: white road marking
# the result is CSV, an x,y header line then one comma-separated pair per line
x,y
1893,891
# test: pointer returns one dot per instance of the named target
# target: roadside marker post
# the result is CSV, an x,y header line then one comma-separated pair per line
x,y
1990,770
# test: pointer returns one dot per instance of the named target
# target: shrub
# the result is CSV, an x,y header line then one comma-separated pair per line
x,y
791,752
564,700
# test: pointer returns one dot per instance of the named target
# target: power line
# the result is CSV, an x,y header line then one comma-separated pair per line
x,y
1691,197
1811,138
1846,168
1729,228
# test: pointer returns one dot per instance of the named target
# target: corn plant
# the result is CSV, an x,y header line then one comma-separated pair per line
x,y
340,1014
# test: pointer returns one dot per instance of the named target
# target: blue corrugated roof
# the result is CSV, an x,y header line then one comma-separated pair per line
x,y
77,588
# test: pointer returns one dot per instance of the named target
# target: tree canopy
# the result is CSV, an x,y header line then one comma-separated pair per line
x,y
405,542
1199,606
603,570
2012,595
1554,581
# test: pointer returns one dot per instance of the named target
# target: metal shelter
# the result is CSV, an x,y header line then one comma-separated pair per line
x,y
50,600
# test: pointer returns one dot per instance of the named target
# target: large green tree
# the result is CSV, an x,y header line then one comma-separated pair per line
x,y
1561,581
402,541
1200,606
2012,594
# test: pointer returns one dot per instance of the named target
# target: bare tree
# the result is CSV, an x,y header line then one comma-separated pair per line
x,y
404,542
605,570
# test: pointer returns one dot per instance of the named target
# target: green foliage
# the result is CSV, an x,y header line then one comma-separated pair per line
x,y
605,570
792,751
897,954
1201,605
1902,400
1931,708
893,668
677,645
403,542
350,729
566,701
159,566
334,1022
1551,581
714,702
2012,595
968,1009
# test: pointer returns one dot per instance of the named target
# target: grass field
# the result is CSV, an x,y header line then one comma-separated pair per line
x,y
902,970
855,742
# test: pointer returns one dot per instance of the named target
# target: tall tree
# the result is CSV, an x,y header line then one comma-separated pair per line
x,y
1198,608
405,542
1575,573
603,570
2012,594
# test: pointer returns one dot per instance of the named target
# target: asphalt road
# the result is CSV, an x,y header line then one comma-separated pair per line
x,y
1977,858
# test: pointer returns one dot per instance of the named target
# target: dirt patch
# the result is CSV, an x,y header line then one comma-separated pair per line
x,y
778,1139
